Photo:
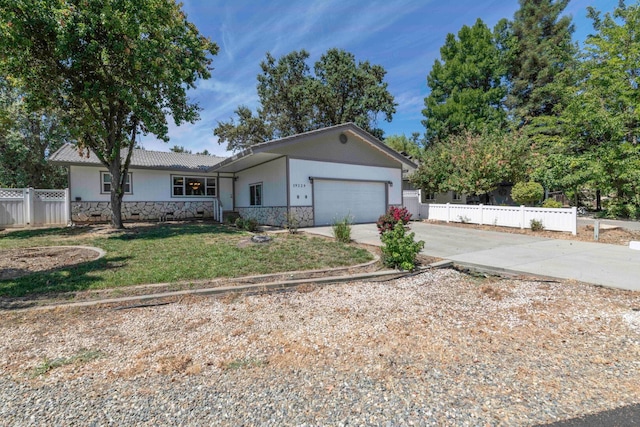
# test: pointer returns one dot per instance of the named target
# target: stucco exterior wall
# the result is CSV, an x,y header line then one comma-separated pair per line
x,y
329,148
147,185
302,189
272,175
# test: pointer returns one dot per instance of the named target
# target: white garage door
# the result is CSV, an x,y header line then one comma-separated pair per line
x,y
363,201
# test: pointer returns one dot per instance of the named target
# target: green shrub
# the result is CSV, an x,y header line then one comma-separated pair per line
x,y
342,229
551,203
248,224
527,193
251,225
400,250
536,225
292,223
387,221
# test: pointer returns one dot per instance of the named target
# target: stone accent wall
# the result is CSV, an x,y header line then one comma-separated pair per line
x,y
265,215
304,214
101,211
277,216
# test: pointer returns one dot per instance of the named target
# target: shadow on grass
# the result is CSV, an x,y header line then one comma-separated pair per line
x,y
56,282
30,233
165,231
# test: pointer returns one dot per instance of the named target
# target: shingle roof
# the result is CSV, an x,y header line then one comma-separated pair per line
x,y
144,159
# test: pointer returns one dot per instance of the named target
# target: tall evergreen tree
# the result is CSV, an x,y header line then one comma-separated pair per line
x,y
541,50
466,84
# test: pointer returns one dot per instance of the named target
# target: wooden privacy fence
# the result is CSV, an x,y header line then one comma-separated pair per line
x,y
20,207
555,219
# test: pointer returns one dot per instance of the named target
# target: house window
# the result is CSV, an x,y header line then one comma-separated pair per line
x,y
105,183
431,196
457,197
193,186
255,194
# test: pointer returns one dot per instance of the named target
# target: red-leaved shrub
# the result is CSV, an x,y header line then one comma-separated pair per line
x,y
394,215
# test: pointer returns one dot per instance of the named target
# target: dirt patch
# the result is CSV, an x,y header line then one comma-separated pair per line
x,y
617,236
24,261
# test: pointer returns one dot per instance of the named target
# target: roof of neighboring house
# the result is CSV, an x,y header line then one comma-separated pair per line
x,y
261,152
140,159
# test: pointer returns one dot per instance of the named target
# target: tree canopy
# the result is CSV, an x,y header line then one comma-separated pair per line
x,y
27,137
472,163
466,84
293,99
116,68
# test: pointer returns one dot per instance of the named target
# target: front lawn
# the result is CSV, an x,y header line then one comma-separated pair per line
x,y
170,253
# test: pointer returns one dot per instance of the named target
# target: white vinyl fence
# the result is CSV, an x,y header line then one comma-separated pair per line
x,y
20,207
555,219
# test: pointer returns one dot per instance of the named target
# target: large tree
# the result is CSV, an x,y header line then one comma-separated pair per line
x,y
27,137
467,84
473,163
293,99
601,149
541,49
117,68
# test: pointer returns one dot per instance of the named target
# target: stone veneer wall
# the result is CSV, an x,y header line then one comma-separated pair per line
x,y
101,211
277,215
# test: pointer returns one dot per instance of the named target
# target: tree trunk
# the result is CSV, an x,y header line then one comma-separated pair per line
x,y
117,192
598,201
116,209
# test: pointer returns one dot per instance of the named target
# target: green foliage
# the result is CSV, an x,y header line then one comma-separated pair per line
x,y
342,229
292,223
601,149
410,146
293,99
472,164
527,193
248,224
541,48
27,137
83,356
467,85
399,249
536,225
551,203
239,222
116,69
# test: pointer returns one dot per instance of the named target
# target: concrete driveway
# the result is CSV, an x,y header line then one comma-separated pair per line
x,y
597,263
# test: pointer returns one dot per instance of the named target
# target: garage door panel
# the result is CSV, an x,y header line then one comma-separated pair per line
x,y
363,201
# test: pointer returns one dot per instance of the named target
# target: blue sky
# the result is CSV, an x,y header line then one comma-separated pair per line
x,y
404,36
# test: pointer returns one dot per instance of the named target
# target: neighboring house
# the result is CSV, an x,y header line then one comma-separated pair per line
x,y
318,176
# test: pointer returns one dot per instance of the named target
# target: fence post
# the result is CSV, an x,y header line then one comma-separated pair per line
x,y
30,207
448,215
522,217
481,219
574,212
67,204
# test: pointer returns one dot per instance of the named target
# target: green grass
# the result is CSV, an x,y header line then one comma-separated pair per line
x,y
170,253
83,356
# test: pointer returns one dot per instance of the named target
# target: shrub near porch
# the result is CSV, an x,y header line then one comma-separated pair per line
x,y
170,253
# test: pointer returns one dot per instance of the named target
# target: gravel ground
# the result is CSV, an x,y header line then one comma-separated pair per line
x,y
439,348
